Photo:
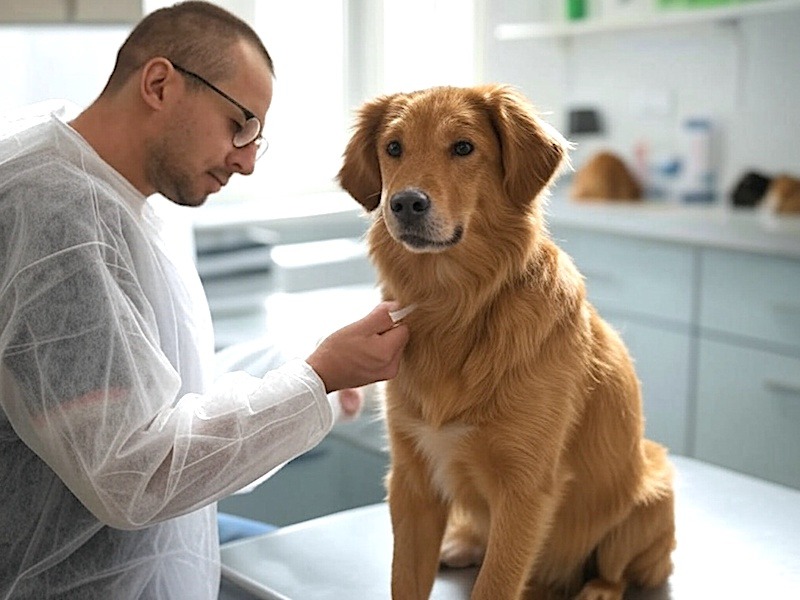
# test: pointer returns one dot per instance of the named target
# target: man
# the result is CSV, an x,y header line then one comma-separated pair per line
x,y
114,446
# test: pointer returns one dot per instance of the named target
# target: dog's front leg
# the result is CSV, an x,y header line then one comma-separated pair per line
x,y
418,522
519,526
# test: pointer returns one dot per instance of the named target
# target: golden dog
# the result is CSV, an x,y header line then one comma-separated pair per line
x,y
515,423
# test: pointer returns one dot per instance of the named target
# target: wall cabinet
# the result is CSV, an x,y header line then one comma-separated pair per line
x,y
641,18
70,11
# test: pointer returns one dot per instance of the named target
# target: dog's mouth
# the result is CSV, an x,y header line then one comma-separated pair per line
x,y
412,220
422,243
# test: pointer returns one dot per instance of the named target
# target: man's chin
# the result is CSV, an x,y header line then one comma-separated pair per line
x,y
184,200
197,201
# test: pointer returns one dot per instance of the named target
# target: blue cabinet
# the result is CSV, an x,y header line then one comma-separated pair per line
x,y
644,289
748,410
714,331
748,385
344,471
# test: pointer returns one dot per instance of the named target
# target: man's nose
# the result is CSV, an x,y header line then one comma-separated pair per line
x,y
243,160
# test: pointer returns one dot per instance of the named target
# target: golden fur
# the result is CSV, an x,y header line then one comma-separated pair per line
x,y
783,195
605,176
515,421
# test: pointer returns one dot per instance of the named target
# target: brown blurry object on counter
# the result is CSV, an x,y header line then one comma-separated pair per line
x,y
783,195
605,176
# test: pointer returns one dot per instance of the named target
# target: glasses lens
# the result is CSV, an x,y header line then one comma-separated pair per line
x,y
248,133
261,147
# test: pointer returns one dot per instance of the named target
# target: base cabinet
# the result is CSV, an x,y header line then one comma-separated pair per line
x,y
748,411
334,476
644,289
662,358
714,333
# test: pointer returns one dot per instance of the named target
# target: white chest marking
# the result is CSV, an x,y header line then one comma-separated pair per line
x,y
440,446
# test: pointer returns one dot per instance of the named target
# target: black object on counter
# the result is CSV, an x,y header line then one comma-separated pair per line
x,y
750,189
583,121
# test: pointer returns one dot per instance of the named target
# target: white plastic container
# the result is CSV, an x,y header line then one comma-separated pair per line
x,y
698,180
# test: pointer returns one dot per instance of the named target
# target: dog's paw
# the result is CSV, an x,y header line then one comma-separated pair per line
x,y
347,404
600,589
458,553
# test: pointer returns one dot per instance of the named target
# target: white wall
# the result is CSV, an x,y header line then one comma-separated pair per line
x,y
321,76
45,62
744,74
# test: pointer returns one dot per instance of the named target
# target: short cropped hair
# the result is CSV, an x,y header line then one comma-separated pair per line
x,y
194,35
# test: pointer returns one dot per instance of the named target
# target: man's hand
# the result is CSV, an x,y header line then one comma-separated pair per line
x,y
363,352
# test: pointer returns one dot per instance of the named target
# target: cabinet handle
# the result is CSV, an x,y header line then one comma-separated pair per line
x,y
783,387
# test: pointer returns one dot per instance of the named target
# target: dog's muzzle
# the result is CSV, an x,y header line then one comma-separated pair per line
x,y
414,223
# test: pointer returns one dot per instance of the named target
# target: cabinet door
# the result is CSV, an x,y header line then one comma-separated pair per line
x,y
101,11
748,411
334,476
34,11
305,488
753,296
70,11
642,277
662,361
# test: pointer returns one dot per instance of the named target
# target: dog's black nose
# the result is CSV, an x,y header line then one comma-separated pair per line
x,y
409,205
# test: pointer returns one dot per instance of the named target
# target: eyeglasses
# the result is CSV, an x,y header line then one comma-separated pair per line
x,y
250,132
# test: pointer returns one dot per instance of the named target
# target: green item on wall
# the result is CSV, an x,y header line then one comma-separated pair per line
x,y
576,9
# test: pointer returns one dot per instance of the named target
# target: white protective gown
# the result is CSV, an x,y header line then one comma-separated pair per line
x,y
113,445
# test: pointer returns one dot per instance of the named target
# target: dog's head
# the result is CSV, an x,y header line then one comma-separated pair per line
x,y
431,157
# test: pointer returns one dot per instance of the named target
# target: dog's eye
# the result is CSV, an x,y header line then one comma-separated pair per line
x,y
394,148
462,148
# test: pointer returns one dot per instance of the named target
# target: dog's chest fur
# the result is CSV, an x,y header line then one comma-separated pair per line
x,y
443,448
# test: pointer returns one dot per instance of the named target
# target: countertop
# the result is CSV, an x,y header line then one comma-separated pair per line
x,y
713,226
738,537
321,216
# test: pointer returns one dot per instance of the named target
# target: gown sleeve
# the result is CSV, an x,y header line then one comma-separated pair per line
x,y
85,384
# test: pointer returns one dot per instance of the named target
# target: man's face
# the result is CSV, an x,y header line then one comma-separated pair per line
x,y
196,156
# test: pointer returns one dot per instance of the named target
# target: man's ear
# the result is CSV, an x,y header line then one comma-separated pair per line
x,y
155,77
360,174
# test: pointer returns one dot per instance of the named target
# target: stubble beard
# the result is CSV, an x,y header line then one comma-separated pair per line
x,y
169,179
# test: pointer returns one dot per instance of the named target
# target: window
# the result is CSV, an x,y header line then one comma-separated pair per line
x,y
331,55
305,124
428,43
48,62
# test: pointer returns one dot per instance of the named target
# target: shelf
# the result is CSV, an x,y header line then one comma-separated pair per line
x,y
658,19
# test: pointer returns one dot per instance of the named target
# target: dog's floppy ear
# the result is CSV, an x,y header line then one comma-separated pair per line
x,y
360,174
532,151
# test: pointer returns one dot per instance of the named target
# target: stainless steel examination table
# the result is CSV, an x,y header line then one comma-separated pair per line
x,y
738,538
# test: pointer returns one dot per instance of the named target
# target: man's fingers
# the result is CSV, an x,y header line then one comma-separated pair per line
x,y
401,313
397,336
387,315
